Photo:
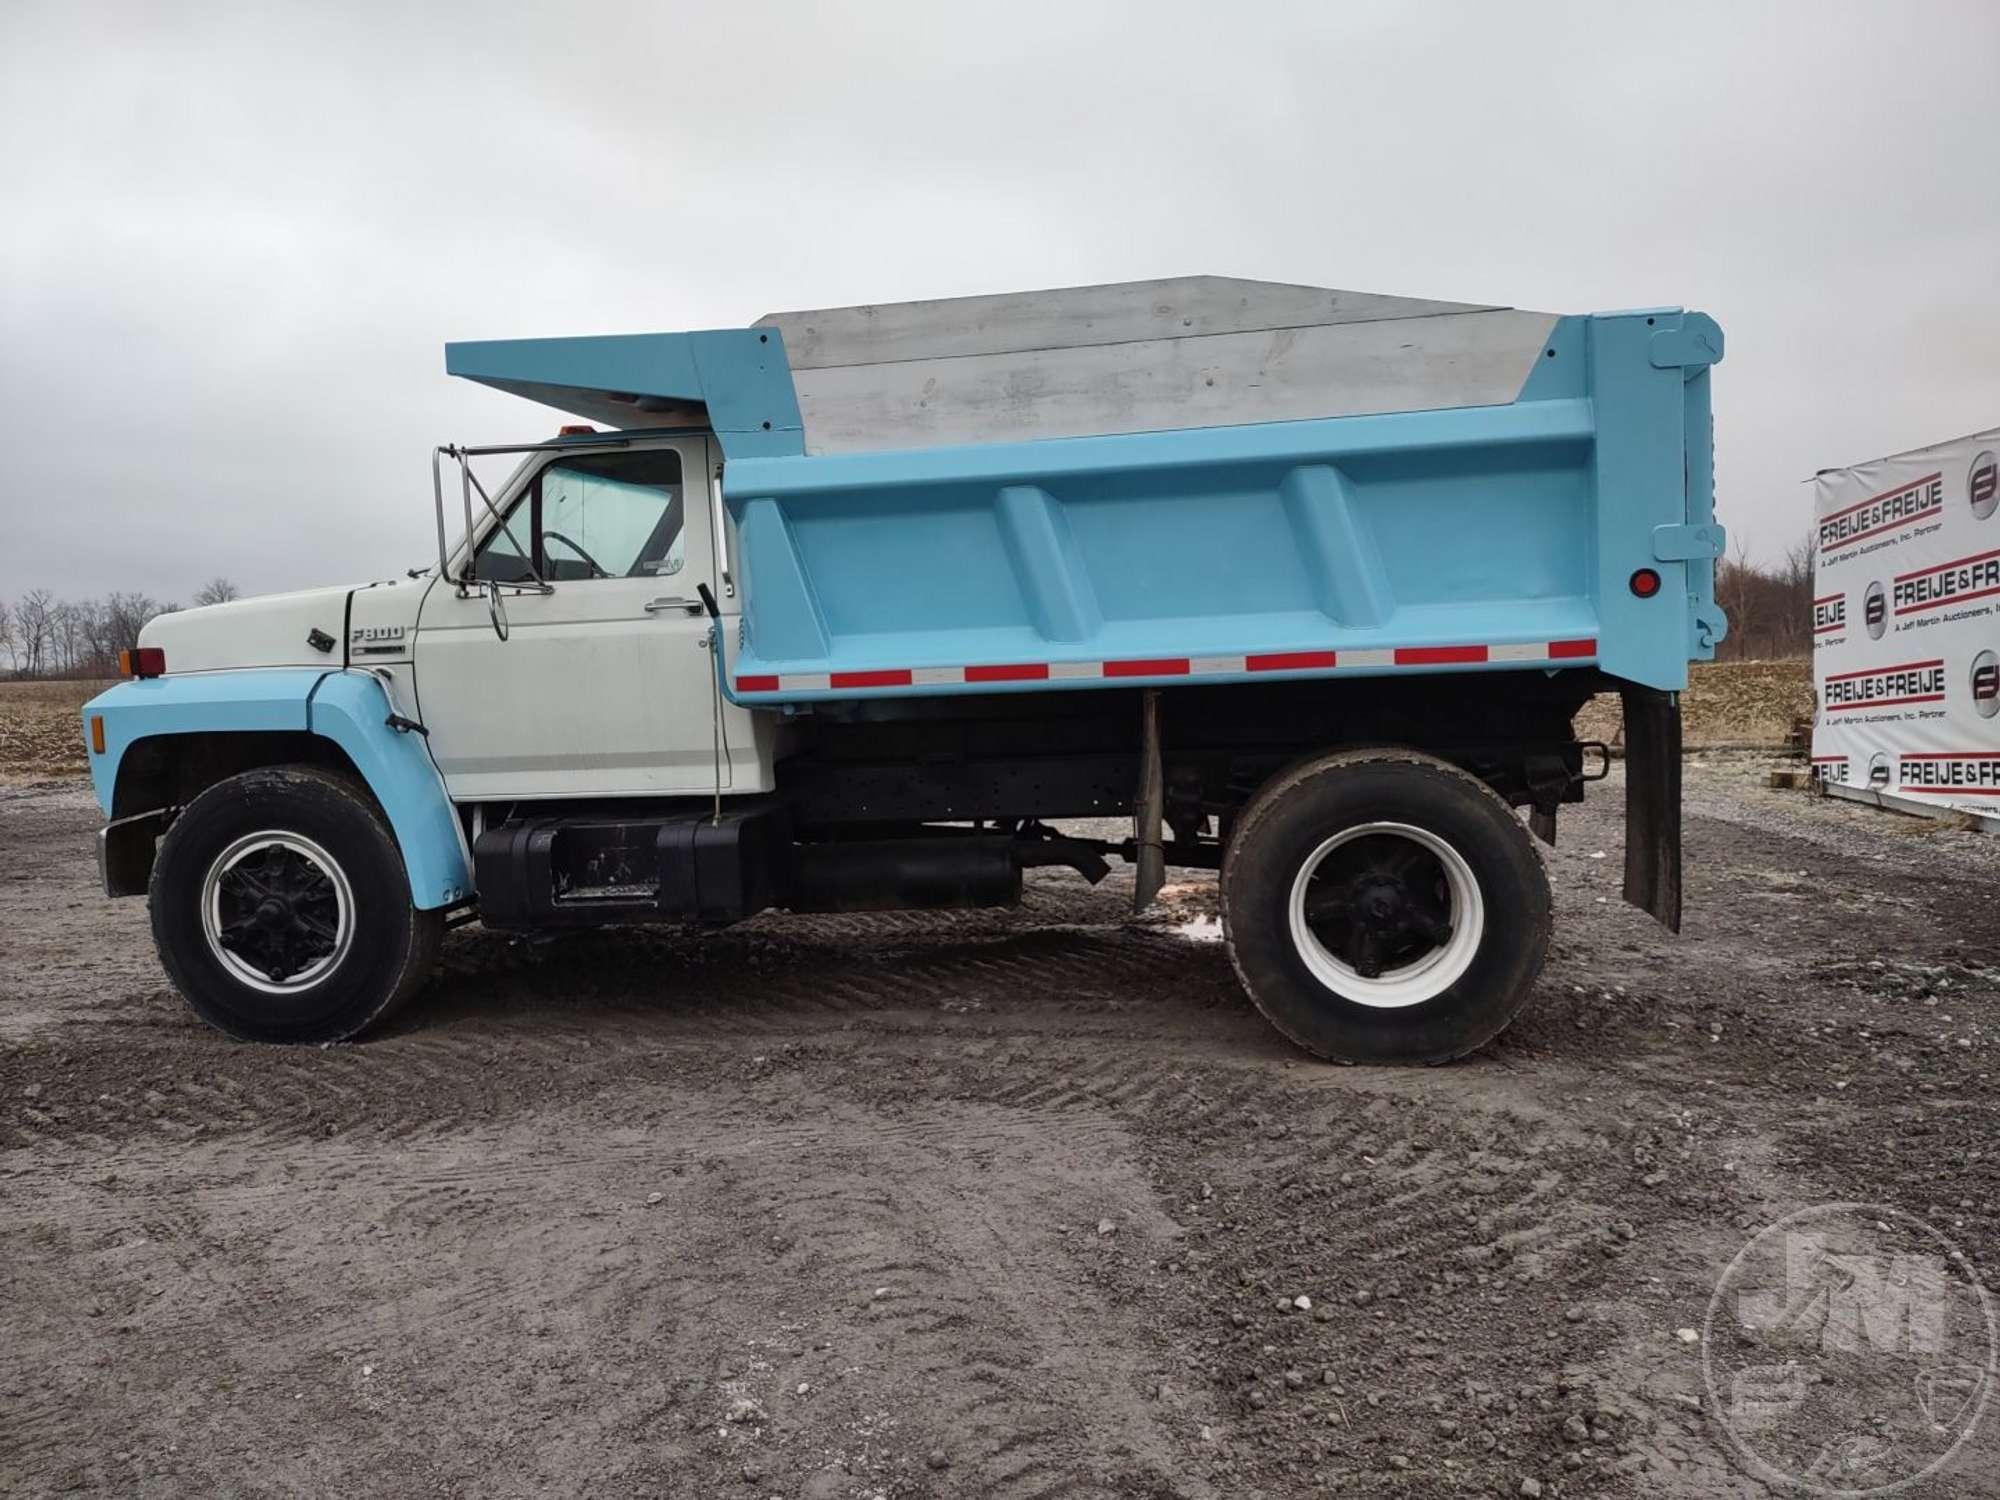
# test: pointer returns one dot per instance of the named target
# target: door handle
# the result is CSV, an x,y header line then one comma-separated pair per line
x,y
673,601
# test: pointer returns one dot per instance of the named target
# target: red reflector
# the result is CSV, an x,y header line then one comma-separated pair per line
x,y
144,661
1289,661
1438,656
888,677
1152,666
1645,583
576,429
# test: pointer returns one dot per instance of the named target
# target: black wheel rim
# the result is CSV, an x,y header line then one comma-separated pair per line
x,y
277,911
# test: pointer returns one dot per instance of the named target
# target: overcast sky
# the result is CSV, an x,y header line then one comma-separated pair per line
x,y
234,239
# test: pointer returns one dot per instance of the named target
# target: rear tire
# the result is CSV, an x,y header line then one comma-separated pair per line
x,y
282,912
1384,906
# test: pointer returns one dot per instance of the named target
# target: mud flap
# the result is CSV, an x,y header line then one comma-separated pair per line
x,y
1149,807
1653,803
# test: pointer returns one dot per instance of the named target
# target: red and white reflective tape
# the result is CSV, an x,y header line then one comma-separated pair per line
x,y
1168,666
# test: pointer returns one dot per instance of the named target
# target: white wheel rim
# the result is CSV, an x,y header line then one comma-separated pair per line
x,y
1428,975
224,902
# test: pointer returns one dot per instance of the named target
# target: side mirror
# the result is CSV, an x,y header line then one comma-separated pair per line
x,y
495,610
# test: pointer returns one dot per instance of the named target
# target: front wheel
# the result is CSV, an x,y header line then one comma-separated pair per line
x,y
282,910
1384,906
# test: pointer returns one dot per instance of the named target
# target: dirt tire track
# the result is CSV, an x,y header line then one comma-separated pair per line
x,y
435,1263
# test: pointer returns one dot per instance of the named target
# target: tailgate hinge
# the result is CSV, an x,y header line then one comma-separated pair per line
x,y
1711,626
1693,346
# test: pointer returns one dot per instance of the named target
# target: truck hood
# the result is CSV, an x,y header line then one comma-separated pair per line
x,y
278,630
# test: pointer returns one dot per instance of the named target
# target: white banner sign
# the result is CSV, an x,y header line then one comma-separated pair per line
x,y
1906,624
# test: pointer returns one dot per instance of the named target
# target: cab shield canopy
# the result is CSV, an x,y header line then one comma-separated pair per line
x,y
1090,361
733,380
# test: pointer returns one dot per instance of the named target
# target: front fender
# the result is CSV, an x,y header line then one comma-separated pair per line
x,y
263,699
352,710
347,707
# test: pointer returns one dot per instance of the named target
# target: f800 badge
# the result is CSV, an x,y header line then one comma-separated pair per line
x,y
378,640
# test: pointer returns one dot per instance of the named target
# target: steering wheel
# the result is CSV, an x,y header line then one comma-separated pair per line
x,y
597,569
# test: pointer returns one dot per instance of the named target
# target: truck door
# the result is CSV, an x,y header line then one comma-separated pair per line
x,y
603,686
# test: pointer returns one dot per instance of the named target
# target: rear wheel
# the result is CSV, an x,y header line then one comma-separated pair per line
x,y
1384,906
282,912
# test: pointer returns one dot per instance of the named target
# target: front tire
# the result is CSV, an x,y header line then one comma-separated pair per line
x,y
1384,906
282,912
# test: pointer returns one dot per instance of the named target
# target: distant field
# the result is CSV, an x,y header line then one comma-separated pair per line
x,y
1726,703
63,694
40,734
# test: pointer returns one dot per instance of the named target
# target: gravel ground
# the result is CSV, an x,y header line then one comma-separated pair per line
x,y
998,1204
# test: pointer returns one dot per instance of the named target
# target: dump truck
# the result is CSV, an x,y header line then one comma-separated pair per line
x,y
878,607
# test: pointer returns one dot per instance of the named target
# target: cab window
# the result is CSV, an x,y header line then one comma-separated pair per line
x,y
590,516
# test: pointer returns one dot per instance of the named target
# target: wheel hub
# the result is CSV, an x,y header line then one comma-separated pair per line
x,y
1387,914
1381,902
277,911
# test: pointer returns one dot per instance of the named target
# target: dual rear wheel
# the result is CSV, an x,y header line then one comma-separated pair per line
x,y
1384,906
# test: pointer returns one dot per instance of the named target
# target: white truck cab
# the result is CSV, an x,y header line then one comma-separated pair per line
x,y
573,656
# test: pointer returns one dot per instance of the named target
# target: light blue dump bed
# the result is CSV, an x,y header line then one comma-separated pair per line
x,y
1204,479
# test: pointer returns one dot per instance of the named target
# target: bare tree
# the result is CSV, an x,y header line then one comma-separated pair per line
x,y
69,628
122,617
1801,562
218,590
33,626
1769,608
42,636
